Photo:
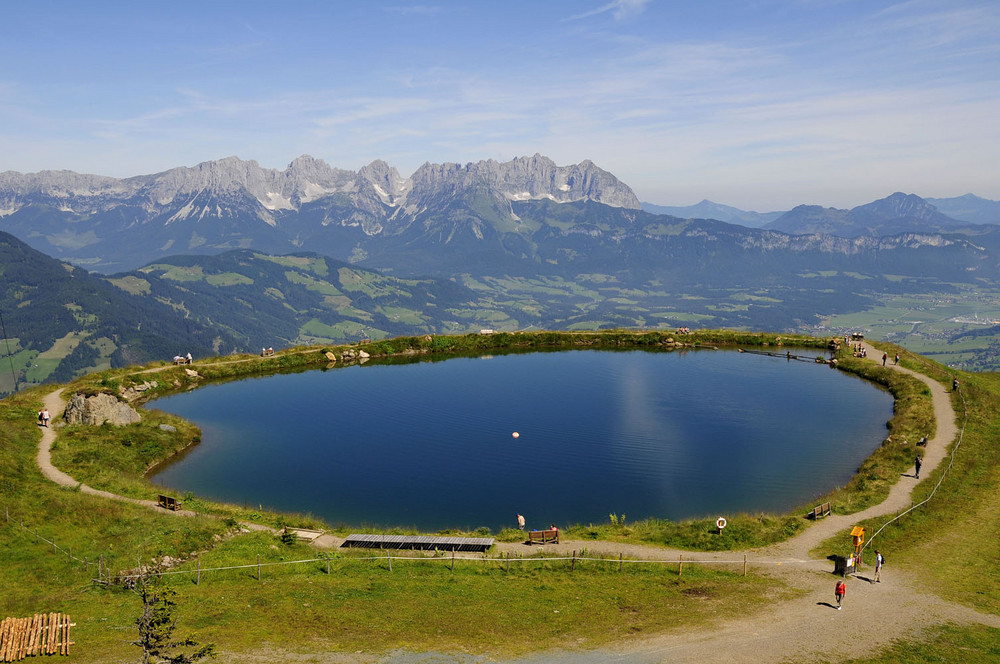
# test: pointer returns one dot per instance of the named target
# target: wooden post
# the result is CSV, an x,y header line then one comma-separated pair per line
x,y
619,562
508,562
197,579
744,564
389,558
453,561
680,566
573,568
54,549
327,563
258,567
100,568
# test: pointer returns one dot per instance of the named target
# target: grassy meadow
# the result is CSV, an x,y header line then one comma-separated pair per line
x,y
425,604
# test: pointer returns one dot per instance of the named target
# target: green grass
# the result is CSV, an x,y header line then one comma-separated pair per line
x,y
47,361
423,605
228,279
742,531
420,605
976,644
176,272
912,420
133,285
313,264
965,511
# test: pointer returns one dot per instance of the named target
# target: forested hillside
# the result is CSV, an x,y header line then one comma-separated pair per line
x,y
60,320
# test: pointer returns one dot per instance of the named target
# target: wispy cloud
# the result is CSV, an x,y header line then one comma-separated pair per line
x,y
620,9
779,104
419,10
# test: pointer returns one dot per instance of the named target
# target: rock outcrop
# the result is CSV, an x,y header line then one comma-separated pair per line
x,y
134,392
98,409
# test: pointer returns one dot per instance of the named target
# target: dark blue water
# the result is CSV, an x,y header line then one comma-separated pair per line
x,y
670,435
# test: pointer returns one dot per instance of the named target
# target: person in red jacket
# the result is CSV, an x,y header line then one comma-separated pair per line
x,y
840,591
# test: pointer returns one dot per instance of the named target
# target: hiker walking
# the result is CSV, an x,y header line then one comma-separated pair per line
x,y
896,360
45,417
885,356
916,465
840,591
879,559
954,385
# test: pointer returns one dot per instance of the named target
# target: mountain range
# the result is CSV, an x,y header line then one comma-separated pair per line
x,y
898,212
443,219
228,256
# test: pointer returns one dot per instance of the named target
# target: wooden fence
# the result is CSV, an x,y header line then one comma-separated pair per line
x,y
42,634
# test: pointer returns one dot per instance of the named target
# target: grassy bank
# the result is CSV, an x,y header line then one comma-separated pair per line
x,y
169,377
912,419
952,538
948,643
81,454
362,605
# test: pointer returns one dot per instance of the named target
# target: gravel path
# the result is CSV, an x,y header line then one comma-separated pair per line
x,y
802,629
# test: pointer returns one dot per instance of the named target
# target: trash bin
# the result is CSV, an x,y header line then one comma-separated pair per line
x,y
844,565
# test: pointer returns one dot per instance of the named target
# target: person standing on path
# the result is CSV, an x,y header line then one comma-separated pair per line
x,y
878,567
954,385
896,361
885,356
45,417
916,465
840,591
520,521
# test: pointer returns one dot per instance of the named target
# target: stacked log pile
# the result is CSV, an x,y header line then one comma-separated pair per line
x,y
42,634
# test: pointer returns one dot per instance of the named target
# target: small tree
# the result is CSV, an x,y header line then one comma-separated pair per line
x,y
156,627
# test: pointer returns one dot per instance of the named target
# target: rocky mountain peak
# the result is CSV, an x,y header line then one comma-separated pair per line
x,y
388,183
900,205
307,169
530,178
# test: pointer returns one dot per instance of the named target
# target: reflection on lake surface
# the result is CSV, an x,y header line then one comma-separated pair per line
x,y
430,444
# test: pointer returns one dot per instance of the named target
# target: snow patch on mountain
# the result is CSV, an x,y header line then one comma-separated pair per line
x,y
275,201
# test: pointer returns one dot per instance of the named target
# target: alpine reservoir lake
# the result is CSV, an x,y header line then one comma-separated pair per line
x,y
432,445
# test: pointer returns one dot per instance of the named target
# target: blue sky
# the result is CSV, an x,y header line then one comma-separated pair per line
x,y
758,104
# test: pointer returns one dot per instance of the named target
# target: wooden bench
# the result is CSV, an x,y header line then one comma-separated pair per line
x,y
181,360
543,537
169,502
820,511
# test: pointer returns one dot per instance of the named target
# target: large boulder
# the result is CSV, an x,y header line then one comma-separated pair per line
x,y
98,409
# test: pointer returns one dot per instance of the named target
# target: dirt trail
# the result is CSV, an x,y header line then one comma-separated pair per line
x,y
800,629
56,405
